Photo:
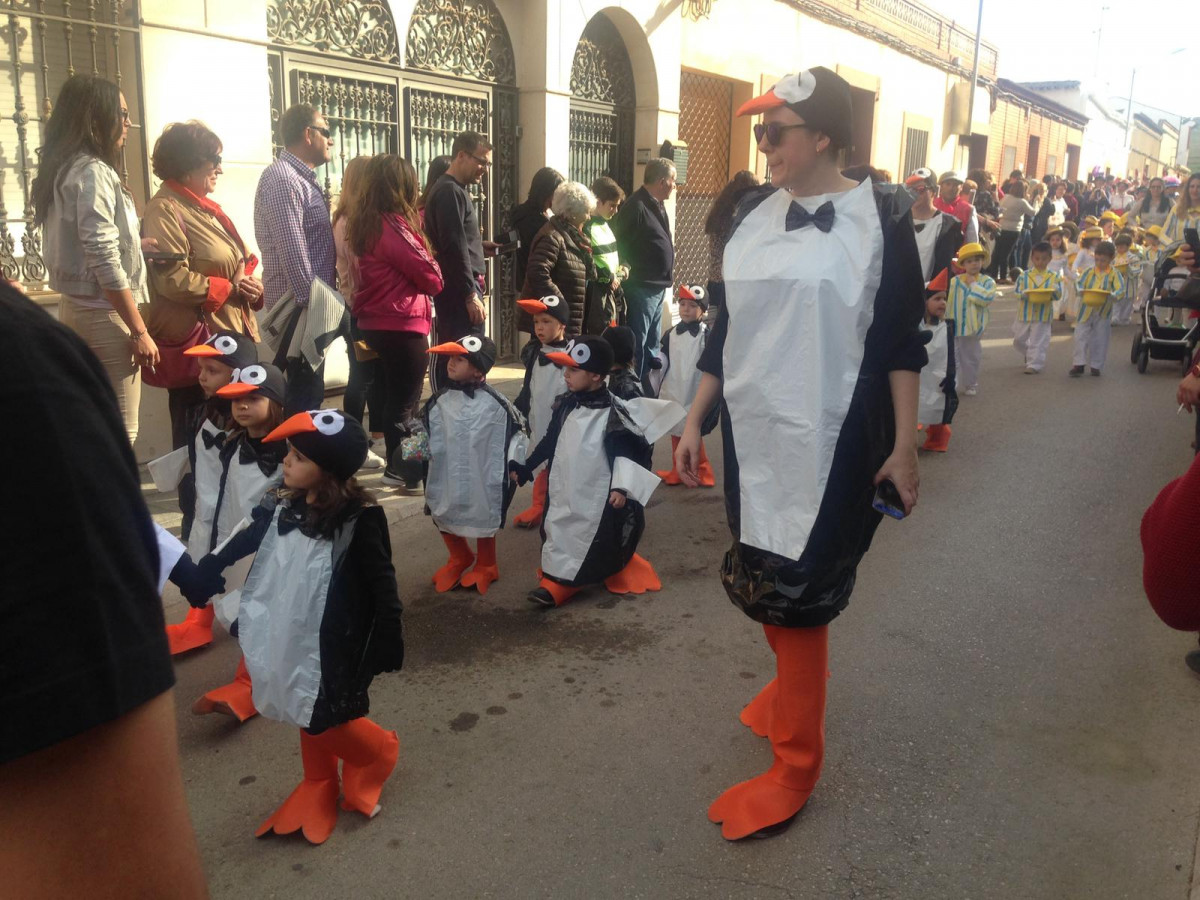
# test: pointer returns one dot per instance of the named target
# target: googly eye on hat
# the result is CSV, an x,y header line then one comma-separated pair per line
x,y
229,347
472,343
551,305
817,95
795,88
262,379
336,443
479,351
591,353
581,353
695,293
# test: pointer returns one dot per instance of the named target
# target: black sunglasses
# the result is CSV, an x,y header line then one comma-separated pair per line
x,y
773,132
324,132
215,159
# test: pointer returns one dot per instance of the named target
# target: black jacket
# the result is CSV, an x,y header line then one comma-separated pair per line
x,y
526,220
644,243
453,228
560,262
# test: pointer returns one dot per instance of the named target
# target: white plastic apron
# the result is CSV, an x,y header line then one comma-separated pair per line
x,y
580,482
682,378
208,469
932,408
800,304
545,384
245,485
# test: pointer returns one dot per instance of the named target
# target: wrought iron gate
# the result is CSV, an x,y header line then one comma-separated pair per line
x,y
45,43
602,106
705,124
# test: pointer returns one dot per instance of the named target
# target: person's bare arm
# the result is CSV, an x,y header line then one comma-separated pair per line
x,y
101,814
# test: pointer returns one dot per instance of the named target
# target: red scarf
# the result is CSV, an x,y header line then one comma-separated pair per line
x,y
217,213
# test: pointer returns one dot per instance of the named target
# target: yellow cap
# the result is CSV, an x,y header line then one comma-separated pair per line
x,y
971,250
1090,220
1155,231
1092,233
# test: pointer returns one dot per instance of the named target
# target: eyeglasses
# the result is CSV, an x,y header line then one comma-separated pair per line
x,y
324,132
215,159
124,115
773,132
486,163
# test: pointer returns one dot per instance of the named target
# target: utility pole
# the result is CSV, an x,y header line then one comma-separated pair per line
x,y
1129,106
974,72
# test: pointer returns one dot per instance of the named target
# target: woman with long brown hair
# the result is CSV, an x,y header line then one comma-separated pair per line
x,y
393,300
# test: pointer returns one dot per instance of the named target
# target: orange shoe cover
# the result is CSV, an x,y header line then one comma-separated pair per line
x,y
637,577
234,699
937,439
532,517
797,738
671,476
460,560
758,713
194,631
560,592
485,570
313,806
369,755
704,469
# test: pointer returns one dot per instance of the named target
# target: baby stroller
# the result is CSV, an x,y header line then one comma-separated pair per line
x,y
1173,295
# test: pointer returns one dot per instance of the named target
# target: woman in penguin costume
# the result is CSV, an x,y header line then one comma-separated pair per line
x,y
594,449
544,383
815,356
197,469
474,432
319,618
252,467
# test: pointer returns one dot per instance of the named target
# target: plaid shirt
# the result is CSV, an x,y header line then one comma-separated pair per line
x,y
291,224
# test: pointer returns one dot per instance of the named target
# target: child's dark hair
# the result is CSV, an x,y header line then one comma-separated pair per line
x,y
607,190
1105,248
1124,239
1042,247
275,417
334,501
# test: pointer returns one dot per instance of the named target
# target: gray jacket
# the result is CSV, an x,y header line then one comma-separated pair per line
x,y
91,237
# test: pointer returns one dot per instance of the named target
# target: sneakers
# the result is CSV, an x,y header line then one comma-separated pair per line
x,y
373,461
392,478
541,597
1030,370
1096,372
1076,371
972,390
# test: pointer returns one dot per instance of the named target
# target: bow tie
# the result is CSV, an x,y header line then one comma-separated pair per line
x,y
798,217
212,440
468,389
542,360
292,517
918,227
249,455
692,327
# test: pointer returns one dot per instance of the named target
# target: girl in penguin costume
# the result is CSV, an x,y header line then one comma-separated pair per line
x,y
198,468
677,377
939,395
543,385
474,432
319,618
252,467
594,450
815,355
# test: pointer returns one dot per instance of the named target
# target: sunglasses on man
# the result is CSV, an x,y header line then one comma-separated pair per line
x,y
773,131
323,132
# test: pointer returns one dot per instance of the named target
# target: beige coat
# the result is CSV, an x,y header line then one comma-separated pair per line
x,y
179,290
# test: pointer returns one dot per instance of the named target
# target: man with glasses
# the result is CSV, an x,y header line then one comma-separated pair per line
x,y
295,237
452,224
644,244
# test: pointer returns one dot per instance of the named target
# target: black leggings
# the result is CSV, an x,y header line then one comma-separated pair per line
x,y
1003,249
402,361
364,387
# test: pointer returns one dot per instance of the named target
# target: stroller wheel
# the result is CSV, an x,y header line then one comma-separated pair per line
x,y
1136,350
1143,360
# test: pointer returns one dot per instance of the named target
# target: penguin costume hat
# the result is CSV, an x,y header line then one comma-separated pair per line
x,y
319,618
594,447
474,433
197,472
622,381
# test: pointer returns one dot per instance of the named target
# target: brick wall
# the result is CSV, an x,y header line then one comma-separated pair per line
x,y
1012,126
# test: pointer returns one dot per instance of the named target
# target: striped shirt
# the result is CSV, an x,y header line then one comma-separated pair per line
x,y
1034,280
604,248
291,224
1094,280
1173,228
968,304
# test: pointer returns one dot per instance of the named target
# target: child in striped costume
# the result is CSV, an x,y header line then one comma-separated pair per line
x,y
1097,287
971,293
1128,264
1038,289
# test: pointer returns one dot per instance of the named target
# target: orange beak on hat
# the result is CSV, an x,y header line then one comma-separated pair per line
x,y
300,423
203,350
685,293
563,359
450,348
532,306
769,100
237,389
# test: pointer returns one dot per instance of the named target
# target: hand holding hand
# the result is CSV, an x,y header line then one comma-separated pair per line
x,y
520,473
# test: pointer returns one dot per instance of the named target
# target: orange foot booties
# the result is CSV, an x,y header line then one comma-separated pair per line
x,y
194,631
704,470
637,577
448,576
758,712
671,476
234,699
938,439
485,570
312,806
550,593
532,517
369,755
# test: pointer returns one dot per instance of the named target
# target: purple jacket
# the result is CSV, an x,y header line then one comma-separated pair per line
x,y
396,281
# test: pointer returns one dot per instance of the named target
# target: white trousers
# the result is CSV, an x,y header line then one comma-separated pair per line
x,y
968,357
1091,342
1123,309
1032,340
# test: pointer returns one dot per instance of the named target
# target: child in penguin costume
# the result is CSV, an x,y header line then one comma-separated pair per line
x,y
677,377
474,432
623,382
594,450
252,468
543,385
939,397
319,618
197,469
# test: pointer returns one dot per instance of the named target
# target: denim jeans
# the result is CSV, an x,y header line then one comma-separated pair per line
x,y
644,319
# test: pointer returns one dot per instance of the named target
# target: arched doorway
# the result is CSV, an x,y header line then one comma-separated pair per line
x,y
603,100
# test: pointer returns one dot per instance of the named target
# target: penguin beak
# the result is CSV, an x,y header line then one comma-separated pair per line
x,y
300,423
203,350
563,359
685,293
532,306
237,389
449,349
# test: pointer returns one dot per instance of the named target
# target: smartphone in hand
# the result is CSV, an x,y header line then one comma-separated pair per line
x,y
887,500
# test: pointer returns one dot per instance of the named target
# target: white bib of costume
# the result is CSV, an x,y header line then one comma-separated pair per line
x,y
468,463
245,485
207,473
279,623
932,408
545,384
926,242
682,377
579,486
800,304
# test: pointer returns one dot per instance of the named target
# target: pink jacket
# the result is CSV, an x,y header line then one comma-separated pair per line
x,y
396,281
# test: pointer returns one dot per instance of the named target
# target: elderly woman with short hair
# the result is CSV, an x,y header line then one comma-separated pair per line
x,y
560,258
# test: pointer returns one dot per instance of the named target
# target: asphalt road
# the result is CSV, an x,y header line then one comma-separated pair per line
x,y
1006,717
